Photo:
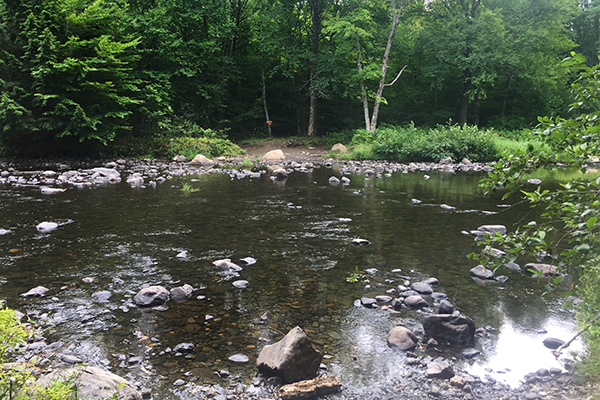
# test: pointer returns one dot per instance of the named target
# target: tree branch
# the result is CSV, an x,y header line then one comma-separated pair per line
x,y
565,345
398,76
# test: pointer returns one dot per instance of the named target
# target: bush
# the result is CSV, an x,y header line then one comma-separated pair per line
x,y
413,144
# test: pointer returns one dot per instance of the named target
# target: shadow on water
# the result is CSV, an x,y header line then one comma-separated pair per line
x,y
300,232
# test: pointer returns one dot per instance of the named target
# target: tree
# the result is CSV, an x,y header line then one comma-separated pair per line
x,y
568,229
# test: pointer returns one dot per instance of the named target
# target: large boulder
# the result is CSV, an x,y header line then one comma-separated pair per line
x,y
93,383
402,338
199,159
151,296
182,293
293,357
274,155
455,329
339,147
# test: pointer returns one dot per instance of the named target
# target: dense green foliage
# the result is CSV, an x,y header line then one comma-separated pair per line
x,y
78,72
567,229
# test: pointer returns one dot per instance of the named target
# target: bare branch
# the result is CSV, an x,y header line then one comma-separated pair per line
x,y
398,76
565,345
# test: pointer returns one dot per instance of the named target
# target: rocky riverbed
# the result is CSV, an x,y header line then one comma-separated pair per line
x,y
408,375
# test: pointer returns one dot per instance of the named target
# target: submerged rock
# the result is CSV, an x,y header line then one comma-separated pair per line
x,y
310,389
402,338
45,226
293,357
93,383
227,265
481,272
38,291
543,269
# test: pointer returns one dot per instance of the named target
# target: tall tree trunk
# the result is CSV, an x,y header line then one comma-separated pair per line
x,y
386,56
363,90
464,105
317,25
264,83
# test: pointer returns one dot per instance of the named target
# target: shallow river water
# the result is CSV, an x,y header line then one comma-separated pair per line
x,y
300,232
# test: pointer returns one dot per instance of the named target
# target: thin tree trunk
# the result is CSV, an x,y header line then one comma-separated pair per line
x,y
317,25
264,83
363,91
386,55
464,105
312,129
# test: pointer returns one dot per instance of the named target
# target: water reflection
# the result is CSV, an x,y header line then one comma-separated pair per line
x,y
300,233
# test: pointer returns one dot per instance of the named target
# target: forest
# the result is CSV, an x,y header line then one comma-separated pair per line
x,y
92,71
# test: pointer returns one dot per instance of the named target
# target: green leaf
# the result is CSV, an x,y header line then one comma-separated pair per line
x,y
591,222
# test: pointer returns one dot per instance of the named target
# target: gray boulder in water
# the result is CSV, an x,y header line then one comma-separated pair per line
x,y
182,293
151,296
293,357
455,329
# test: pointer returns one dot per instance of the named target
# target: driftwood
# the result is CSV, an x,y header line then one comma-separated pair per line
x,y
310,389
567,344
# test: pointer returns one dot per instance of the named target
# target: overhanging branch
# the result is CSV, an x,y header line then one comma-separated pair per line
x,y
397,76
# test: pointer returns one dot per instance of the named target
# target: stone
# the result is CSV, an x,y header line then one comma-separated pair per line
x,y
415,302
458,381
545,269
182,293
293,357
445,307
383,298
241,284
274,155
513,266
310,389
38,291
470,352
431,281
199,159
103,296
553,343
407,293
70,359
481,272
439,369
339,147
48,190
280,173
248,261
334,180
239,358
226,265
360,242
397,304
502,278
439,296
534,181
446,161
184,348
368,302
402,338
93,383
465,161
455,329
46,227
180,159
151,296
422,287
447,207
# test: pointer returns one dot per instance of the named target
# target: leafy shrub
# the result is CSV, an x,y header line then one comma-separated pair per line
x,y
190,146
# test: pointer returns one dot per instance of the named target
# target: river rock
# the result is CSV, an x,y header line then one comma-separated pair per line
x,y
415,302
184,348
360,242
422,287
481,272
545,269
239,358
293,357
151,296
334,180
368,302
553,343
103,296
280,173
407,293
310,389
227,265
402,338
38,291
431,281
199,159
241,284
248,261
339,147
439,369
470,352
455,329
274,155
446,161
182,293
445,307
46,227
49,190
93,383
513,266
180,159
